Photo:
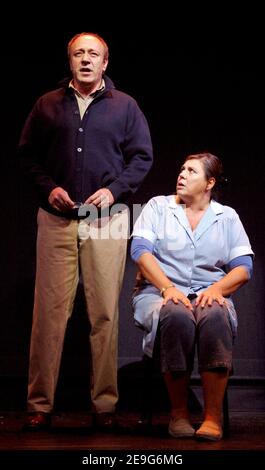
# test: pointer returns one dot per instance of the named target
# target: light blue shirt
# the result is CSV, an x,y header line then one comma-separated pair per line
x,y
192,260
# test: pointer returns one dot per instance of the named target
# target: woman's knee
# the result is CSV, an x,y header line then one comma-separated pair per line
x,y
215,333
176,316
214,316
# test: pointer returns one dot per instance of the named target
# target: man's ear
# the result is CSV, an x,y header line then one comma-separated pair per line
x,y
105,65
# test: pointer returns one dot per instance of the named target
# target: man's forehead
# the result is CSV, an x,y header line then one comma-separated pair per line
x,y
87,41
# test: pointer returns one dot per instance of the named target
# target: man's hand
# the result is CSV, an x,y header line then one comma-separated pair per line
x,y
101,198
60,200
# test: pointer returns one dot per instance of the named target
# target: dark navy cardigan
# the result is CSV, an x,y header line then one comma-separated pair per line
x,y
110,147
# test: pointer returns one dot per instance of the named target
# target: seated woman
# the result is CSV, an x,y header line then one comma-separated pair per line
x,y
193,253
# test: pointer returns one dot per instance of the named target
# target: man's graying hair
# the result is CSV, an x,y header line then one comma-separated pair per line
x,y
106,49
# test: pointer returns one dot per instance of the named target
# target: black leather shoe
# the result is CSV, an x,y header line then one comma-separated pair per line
x,y
105,421
37,421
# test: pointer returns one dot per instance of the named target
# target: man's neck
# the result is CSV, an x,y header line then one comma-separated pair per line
x,y
87,90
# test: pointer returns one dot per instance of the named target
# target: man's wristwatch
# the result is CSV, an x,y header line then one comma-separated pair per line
x,y
165,288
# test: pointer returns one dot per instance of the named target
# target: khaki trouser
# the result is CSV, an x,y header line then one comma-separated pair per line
x,y
61,245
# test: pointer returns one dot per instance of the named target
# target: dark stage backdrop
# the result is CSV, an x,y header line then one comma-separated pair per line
x,y
201,89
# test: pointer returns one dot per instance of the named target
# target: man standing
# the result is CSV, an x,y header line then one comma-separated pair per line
x,y
82,143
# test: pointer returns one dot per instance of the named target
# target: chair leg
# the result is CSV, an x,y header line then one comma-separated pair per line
x,y
150,366
147,396
226,420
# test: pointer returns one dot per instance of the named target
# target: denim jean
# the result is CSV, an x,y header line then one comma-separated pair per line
x,y
181,330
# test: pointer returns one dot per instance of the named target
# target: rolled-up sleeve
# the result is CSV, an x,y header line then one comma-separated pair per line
x,y
146,226
239,242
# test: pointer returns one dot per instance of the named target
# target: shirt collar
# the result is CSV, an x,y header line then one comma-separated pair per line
x,y
211,215
215,206
91,95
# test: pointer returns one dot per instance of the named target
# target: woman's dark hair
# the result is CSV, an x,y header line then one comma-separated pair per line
x,y
213,169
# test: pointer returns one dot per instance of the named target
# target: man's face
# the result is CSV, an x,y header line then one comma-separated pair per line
x,y
87,62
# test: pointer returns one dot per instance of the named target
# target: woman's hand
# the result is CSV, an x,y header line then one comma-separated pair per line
x,y
172,293
213,293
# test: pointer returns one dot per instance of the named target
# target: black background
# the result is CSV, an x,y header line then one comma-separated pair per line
x,y
198,76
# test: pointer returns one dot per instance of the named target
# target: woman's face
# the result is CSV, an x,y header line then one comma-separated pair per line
x,y
192,181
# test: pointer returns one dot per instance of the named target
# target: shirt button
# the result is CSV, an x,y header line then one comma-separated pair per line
x,y
79,149
80,129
